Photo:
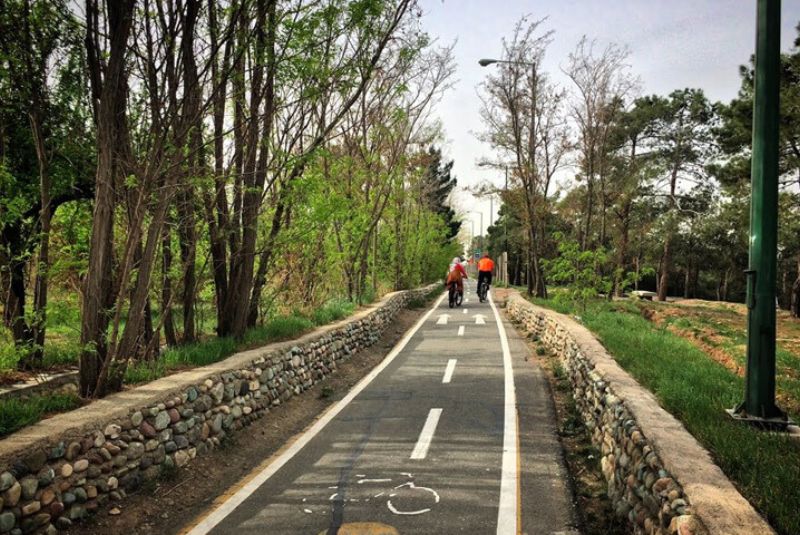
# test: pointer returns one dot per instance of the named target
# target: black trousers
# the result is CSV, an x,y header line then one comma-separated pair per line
x,y
484,275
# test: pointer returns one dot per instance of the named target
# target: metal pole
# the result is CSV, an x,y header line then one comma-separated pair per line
x,y
471,247
481,214
505,221
759,398
491,210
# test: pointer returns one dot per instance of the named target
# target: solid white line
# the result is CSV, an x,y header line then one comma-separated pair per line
x,y
448,372
227,507
426,436
461,331
509,500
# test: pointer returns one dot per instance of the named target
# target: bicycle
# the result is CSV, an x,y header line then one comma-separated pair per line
x,y
454,297
483,291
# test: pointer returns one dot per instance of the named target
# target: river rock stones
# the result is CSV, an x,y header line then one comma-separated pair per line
x,y
53,486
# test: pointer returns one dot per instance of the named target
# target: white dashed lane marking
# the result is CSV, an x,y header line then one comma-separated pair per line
x,y
426,436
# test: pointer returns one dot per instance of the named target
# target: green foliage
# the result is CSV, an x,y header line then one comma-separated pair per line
x,y
16,414
580,271
57,354
438,182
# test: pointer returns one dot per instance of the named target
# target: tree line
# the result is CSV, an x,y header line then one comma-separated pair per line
x,y
657,186
161,155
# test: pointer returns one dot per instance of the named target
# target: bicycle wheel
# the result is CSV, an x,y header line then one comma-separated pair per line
x,y
451,300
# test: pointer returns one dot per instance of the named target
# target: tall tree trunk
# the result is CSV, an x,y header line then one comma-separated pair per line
x,y
188,247
795,306
686,280
622,250
166,288
265,258
666,258
193,122
216,207
587,224
14,312
256,141
132,338
35,81
109,92
531,286
725,280
38,326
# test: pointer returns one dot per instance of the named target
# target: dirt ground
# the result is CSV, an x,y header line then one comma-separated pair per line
x,y
733,316
169,504
720,330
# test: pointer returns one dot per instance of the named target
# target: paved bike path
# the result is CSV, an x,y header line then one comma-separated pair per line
x,y
427,446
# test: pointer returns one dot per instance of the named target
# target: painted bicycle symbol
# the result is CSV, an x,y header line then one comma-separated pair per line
x,y
404,498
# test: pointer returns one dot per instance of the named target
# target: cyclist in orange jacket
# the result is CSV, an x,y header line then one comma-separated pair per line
x,y
485,268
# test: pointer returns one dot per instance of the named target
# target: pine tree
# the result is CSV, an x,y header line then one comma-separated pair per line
x,y
438,184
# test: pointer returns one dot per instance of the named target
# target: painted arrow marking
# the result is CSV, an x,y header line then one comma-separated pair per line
x,y
480,319
443,319
461,331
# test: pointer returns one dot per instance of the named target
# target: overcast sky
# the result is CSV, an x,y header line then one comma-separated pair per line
x,y
673,44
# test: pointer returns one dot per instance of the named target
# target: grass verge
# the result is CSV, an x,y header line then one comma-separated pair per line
x,y
16,414
690,385
215,349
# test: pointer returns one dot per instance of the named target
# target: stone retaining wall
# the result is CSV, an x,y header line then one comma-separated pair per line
x,y
57,471
658,475
59,383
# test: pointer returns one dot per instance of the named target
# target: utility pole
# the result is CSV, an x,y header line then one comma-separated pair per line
x,y
505,221
759,396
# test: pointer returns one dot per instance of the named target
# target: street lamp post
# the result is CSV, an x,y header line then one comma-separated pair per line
x,y
759,396
480,228
471,237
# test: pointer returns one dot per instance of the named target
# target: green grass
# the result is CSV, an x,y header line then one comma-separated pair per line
x,y
215,349
690,385
279,328
333,310
16,414
57,353
733,342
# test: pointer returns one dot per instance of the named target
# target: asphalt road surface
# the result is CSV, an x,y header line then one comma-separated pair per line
x,y
452,433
